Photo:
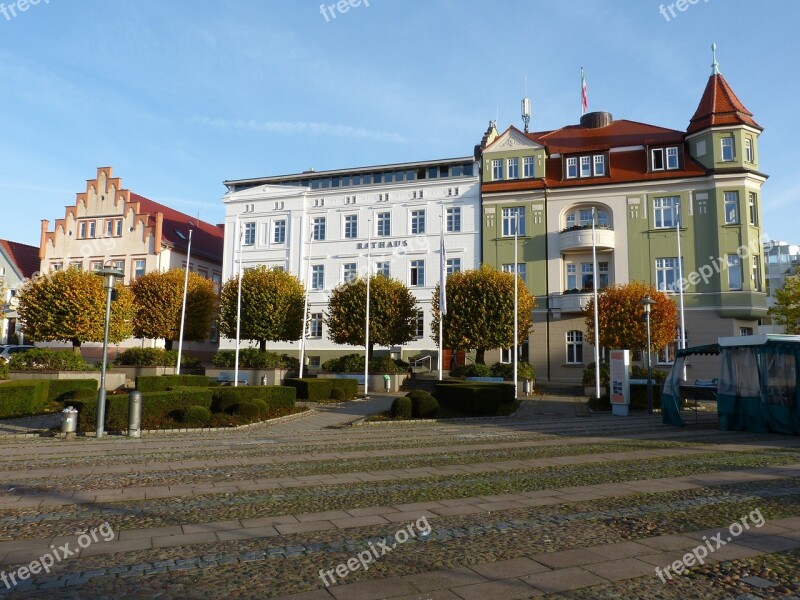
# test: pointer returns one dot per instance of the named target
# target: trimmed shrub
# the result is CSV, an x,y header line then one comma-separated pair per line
x,y
338,394
3,371
315,390
162,383
249,411
506,371
154,357
473,370
22,398
605,374
638,372
275,397
354,363
64,389
402,407
348,386
45,359
262,406
384,365
476,399
197,415
423,405
639,396
252,358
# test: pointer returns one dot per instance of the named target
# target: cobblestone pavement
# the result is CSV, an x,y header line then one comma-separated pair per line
x,y
546,503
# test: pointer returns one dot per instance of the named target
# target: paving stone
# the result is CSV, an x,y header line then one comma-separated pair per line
x,y
214,526
186,539
563,580
246,534
448,578
304,527
668,542
621,550
359,521
568,558
769,543
508,589
372,590
505,569
623,568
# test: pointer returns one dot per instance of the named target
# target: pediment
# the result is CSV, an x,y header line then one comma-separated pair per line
x,y
512,139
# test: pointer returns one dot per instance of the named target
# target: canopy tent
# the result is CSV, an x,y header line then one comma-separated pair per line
x,y
758,388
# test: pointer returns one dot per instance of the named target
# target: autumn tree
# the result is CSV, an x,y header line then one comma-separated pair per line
x,y
786,311
158,300
70,306
272,306
621,317
392,309
480,311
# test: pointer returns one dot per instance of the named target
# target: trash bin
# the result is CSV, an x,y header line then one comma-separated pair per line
x,y
69,422
135,414
526,387
387,383
263,380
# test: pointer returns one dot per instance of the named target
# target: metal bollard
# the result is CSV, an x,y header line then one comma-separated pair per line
x,y
135,414
69,422
387,383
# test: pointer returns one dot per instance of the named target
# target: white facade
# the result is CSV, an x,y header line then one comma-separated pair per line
x,y
397,223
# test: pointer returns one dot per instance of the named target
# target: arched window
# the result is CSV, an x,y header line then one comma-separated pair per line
x,y
575,347
582,217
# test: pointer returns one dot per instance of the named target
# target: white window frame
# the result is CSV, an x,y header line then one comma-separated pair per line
x,y
572,168
664,211
319,225
512,168
599,165
249,233
384,268
571,271
497,169
416,274
383,224
756,272
350,226
728,152
92,229
454,219
586,166
419,325
279,227
453,266
752,207
734,263
418,222
657,152
521,269
731,201
667,272
672,159
349,272
510,220
136,262
748,150
317,277
574,347
528,166
315,326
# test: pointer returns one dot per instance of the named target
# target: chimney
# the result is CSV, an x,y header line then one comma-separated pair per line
x,y
43,238
159,231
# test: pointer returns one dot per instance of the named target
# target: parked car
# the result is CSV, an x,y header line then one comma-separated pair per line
x,y
8,350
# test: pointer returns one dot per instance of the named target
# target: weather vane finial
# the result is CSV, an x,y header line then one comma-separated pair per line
x,y
715,64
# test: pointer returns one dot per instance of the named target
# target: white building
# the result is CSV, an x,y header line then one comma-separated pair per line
x,y
782,261
18,263
319,226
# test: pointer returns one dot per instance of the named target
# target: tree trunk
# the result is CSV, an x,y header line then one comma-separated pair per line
x,y
167,344
76,346
479,356
262,345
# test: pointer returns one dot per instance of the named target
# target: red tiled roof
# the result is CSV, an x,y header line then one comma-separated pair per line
x,y
207,239
576,138
25,257
719,106
624,167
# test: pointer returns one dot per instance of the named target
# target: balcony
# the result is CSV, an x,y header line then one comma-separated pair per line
x,y
580,239
570,303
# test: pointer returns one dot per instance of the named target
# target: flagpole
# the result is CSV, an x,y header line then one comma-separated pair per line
x,y
183,305
682,334
442,293
516,301
305,301
238,305
366,331
596,311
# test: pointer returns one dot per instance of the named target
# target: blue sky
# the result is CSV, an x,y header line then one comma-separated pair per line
x,y
180,95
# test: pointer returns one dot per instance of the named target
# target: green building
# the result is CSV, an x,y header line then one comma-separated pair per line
x,y
639,179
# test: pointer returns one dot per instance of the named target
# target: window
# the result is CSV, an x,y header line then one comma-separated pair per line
x,y
756,276
77,265
520,270
317,277
571,220
453,220
513,168
314,362
417,273
497,169
92,228
82,229
97,265
249,233
279,232
667,274
599,165
752,206
664,210
727,149
574,347
602,275
572,168
587,276
658,159
572,276
666,355
512,218
527,167
743,331
213,332
138,267
319,228
216,281
734,272
748,150
350,227
419,325
382,268
417,222
109,227
586,166
585,217
731,208
672,158
349,271
118,265
453,265
384,224
315,325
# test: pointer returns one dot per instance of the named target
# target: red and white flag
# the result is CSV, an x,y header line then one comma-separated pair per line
x,y
584,94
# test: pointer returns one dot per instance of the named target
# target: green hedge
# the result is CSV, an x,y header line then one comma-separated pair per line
x,y
402,407
22,398
476,399
315,390
275,397
3,370
639,396
423,405
348,386
155,357
45,359
253,358
162,383
64,389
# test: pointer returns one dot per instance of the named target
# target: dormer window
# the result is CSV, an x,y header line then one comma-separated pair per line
x,y
599,165
586,166
572,168
727,149
590,166
664,158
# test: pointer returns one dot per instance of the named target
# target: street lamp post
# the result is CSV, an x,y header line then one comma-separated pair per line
x,y
646,303
110,276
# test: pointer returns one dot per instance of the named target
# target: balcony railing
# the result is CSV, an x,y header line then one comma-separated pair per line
x,y
580,238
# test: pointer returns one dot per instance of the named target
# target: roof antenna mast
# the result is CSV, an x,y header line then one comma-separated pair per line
x,y
526,108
